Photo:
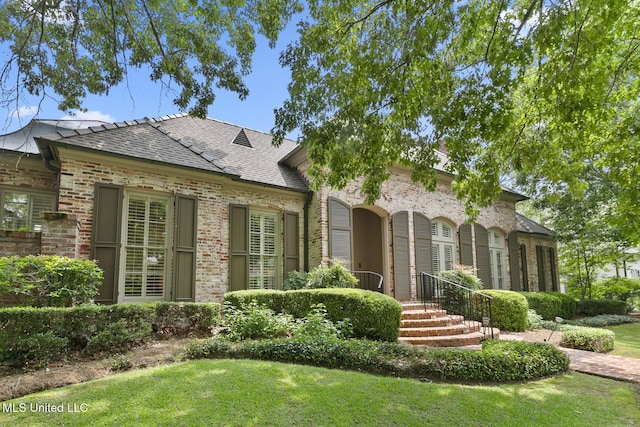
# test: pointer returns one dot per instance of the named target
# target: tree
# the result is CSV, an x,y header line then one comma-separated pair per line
x,y
588,237
541,87
86,46
534,86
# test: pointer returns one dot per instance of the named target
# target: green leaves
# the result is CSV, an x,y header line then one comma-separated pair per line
x,y
512,86
87,46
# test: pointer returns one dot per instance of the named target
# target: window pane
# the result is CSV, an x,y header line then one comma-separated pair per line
x,y
263,250
435,258
23,211
448,257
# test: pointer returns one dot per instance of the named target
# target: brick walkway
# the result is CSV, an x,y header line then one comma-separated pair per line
x,y
604,365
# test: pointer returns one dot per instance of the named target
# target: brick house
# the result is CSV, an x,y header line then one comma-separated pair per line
x,y
178,208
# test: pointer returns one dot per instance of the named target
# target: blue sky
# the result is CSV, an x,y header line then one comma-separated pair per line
x,y
142,98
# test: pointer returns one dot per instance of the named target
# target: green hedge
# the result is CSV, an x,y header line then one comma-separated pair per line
x,y
550,305
48,281
601,306
35,336
498,361
509,310
590,339
373,315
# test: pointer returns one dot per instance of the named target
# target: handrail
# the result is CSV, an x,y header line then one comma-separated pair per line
x,y
457,299
369,280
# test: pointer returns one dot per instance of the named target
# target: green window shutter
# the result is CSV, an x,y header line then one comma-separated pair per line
x,y
340,232
483,267
514,261
105,238
553,264
465,245
422,242
238,247
291,242
525,268
542,269
401,268
184,255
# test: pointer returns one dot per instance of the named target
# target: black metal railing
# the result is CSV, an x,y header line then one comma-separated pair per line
x,y
369,280
457,299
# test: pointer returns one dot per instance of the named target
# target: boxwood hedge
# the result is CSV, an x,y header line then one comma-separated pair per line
x,y
509,310
373,315
550,305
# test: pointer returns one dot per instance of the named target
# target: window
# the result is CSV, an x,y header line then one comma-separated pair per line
x,y
442,246
263,255
22,210
146,247
497,259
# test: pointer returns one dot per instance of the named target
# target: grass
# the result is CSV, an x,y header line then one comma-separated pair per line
x,y
627,341
256,393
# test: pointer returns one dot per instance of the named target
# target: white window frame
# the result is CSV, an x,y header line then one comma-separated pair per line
x,y
443,246
32,222
147,260
261,276
497,259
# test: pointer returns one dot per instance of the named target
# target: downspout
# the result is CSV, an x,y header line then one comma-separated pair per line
x,y
47,157
307,203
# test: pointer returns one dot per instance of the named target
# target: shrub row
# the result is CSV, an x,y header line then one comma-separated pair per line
x,y
601,306
498,361
48,281
373,315
550,305
36,336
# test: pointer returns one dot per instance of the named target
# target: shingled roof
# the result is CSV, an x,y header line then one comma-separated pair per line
x,y
529,226
181,140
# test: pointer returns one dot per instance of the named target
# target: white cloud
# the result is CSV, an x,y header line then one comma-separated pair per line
x,y
90,115
24,112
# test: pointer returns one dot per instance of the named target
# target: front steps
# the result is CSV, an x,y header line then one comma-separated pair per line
x,y
435,328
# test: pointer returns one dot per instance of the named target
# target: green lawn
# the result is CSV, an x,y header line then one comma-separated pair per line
x,y
627,342
257,393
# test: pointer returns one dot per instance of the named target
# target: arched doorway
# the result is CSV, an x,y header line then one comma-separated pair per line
x,y
368,243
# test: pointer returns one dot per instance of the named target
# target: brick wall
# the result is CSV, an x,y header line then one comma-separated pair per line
x,y
215,194
531,241
399,193
20,243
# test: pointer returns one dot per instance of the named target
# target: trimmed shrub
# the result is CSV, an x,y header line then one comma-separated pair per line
x,y
335,276
590,339
373,315
546,305
601,306
34,336
49,281
509,310
603,320
184,319
498,361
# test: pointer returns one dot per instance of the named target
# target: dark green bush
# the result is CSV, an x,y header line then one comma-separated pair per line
x,y
589,339
509,310
31,335
498,361
49,281
545,304
372,314
334,276
295,280
601,306
185,318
